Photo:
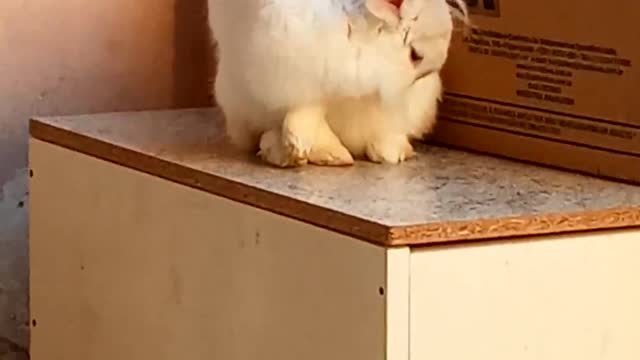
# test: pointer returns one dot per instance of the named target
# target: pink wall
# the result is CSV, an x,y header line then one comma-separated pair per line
x,y
81,56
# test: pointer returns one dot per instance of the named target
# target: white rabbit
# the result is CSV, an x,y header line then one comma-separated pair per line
x,y
322,81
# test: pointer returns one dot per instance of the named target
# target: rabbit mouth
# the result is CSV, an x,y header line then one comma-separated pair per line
x,y
416,58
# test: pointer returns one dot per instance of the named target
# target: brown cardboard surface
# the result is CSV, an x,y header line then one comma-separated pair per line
x,y
553,82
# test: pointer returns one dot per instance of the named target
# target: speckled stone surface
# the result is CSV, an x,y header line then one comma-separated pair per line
x,y
443,195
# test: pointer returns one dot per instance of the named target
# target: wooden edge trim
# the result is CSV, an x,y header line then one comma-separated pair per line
x,y
329,219
524,226
375,233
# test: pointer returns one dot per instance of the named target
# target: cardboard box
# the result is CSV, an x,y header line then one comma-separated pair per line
x,y
552,82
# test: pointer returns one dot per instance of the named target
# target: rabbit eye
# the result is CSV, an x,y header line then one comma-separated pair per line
x,y
416,58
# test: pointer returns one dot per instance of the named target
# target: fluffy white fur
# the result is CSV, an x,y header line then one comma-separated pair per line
x,y
324,81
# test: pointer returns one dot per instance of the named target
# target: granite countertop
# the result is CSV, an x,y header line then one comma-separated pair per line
x,y
441,196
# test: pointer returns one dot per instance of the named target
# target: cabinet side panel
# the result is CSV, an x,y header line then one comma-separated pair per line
x,y
565,297
397,293
125,265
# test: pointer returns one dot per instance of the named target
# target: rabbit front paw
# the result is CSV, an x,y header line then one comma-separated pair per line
x,y
330,155
290,145
392,150
273,151
305,137
300,129
327,150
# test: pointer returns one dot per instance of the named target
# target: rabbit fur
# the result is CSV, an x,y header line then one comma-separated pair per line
x,y
327,81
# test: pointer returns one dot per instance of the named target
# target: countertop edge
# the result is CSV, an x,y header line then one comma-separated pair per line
x,y
518,226
361,229
390,236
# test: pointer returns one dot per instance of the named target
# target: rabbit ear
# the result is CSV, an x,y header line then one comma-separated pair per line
x,y
385,10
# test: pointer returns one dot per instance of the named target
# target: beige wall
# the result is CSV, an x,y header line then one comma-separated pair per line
x,y
79,56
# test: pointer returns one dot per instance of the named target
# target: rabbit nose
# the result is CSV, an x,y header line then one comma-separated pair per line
x,y
416,58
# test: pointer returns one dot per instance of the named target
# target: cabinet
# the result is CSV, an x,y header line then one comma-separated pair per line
x,y
150,238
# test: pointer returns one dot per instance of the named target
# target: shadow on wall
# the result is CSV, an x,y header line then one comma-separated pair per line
x,y
192,41
148,71
14,282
